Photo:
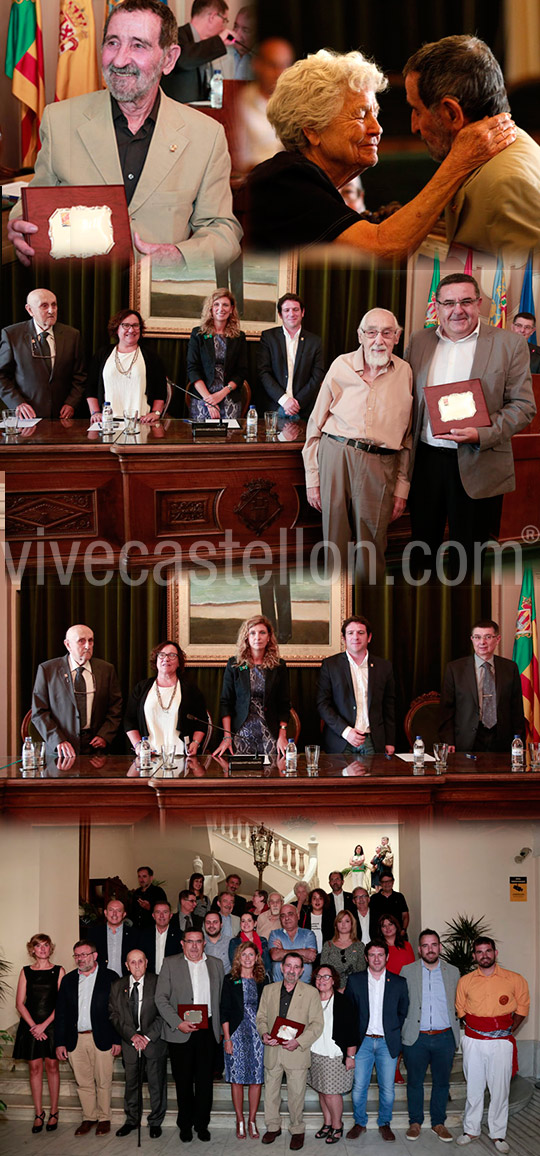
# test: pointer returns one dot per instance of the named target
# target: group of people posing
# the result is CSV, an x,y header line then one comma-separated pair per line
x,y
264,992
77,704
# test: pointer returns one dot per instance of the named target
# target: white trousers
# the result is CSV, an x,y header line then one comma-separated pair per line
x,y
487,1063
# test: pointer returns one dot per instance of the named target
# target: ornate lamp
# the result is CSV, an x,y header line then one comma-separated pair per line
x,y
261,841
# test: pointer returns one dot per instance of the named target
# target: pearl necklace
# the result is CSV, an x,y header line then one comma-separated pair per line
x,y
167,708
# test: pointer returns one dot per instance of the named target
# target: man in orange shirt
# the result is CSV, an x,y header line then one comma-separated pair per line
x,y
494,1003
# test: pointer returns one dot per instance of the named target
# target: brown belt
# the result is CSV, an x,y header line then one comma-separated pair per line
x,y
370,1036
88,1032
437,1032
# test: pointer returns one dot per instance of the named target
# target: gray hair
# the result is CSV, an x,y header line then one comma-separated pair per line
x,y
464,68
311,93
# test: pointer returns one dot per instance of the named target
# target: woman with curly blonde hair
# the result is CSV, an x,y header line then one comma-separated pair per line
x,y
217,359
255,698
37,990
242,1044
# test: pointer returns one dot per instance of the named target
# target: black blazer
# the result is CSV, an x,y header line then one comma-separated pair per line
x,y
192,703
459,716
265,954
67,1011
146,940
201,359
24,378
337,705
187,81
231,1009
395,1006
345,1024
329,915
308,368
156,378
236,696
98,935
197,924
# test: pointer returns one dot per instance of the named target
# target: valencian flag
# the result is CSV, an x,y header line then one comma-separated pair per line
x,y
77,70
24,66
431,319
526,301
468,263
525,654
497,313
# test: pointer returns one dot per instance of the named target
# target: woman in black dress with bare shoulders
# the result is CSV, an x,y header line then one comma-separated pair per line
x,y
37,990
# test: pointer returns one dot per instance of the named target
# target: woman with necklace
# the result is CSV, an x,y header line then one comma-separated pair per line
x,y
242,1044
37,990
130,376
344,951
332,1055
217,359
160,707
255,699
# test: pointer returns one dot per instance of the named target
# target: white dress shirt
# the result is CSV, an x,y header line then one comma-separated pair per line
x,y
452,361
90,685
376,997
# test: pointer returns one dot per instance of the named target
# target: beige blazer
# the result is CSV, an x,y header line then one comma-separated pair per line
x,y
306,1008
183,196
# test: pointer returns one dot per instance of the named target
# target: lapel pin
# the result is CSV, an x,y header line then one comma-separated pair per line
x,y
173,148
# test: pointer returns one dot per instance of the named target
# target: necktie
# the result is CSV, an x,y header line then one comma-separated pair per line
x,y
489,704
45,348
134,1004
79,686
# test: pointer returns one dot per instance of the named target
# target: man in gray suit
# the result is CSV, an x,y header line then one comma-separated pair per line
x,y
134,1014
41,367
76,703
173,161
191,979
461,476
430,1033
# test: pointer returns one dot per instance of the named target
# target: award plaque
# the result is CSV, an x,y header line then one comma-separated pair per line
x,y
285,1030
194,1013
78,221
456,405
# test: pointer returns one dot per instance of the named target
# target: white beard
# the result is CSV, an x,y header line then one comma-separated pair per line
x,y
376,360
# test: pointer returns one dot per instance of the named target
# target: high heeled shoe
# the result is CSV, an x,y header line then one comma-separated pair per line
x,y
240,1130
52,1127
323,1132
39,1127
253,1130
335,1135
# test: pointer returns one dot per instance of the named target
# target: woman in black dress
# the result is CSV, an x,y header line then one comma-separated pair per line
x,y
217,359
36,1002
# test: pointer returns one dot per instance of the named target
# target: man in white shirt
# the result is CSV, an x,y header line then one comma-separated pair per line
x,y
134,1014
42,372
356,696
381,1002
191,979
460,477
76,703
290,362
360,899
162,939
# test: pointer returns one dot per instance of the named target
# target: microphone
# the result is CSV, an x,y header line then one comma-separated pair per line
x,y
233,734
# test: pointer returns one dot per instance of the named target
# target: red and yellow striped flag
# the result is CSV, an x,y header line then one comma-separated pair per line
x,y
77,70
525,654
24,66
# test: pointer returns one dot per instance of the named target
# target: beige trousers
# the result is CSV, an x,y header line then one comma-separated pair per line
x,y
357,497
93,1072
296,1092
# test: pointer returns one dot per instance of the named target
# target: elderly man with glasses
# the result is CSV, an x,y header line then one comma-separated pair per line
x,y
358,440
481,701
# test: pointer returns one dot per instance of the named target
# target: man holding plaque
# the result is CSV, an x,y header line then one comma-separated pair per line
x,y
172,160
460,477
188,992
289,1020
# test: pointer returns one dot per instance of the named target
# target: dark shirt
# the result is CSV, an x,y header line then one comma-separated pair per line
x,y
395,905
141,916
292,202
285,1001
133,147
534,351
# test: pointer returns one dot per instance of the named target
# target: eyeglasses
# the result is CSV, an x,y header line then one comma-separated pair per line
x,y
127,327
167,656
372,332
79,958
466,302
483,637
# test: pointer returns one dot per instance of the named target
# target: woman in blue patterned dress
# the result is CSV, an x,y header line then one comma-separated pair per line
x,y
255,699
217,359
242,1044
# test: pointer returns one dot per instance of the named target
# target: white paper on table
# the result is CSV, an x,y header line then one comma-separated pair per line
x,y
23,422
408,757
456,406
81,231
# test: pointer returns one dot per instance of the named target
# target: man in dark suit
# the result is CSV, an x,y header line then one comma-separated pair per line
x,y
525,325
161,940
338,900
76,703
461,476
204,39
381,1002
290,361
42,372
113,939
356,696
184,919
85,1036
135,1017
189,979
481,701
233,882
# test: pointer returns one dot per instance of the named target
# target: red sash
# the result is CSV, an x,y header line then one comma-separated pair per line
x,y
483,1027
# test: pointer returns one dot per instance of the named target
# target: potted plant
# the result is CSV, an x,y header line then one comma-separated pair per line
x,y
457,942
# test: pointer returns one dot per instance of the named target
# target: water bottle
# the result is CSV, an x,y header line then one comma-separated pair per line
x,y
216,89
145,755
251,422
517,754
107,419
27,754
291,758
419,751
